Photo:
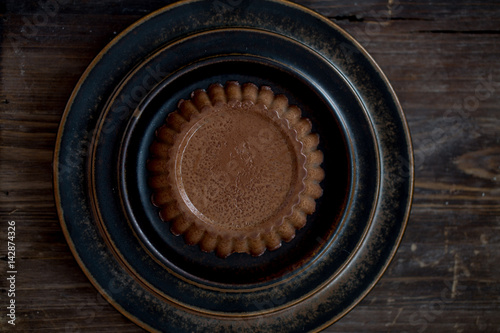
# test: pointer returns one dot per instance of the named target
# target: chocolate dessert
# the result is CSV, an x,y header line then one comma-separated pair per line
x,y
235,169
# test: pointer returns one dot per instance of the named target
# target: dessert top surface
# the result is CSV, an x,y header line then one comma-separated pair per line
x,y
239,166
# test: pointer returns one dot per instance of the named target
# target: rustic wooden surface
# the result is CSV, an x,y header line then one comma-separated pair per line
x,y
443,59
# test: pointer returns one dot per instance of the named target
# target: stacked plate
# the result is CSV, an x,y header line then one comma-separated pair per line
x,y
101,176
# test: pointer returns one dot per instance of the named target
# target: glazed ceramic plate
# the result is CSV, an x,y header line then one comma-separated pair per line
x,y
101,180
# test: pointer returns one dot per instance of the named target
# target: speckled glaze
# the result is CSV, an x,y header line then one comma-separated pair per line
x,y
235,169
101,177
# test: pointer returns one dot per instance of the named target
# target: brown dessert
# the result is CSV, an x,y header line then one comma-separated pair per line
x,y
235,169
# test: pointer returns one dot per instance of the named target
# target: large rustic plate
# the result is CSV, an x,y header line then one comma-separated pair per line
x,y
100,176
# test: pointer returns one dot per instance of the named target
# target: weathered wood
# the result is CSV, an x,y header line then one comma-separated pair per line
x,y
443,60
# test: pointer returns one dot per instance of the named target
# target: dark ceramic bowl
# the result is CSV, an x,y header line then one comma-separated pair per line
x,y
103,198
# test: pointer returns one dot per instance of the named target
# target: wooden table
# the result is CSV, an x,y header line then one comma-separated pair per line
x,y
443,60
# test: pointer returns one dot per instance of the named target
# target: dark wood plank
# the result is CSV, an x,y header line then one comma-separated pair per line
x,y
443,60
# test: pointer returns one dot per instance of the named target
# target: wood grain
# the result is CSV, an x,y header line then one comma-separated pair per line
x,y
443,60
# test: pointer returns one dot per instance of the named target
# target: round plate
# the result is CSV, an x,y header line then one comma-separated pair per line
x,y
101,179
